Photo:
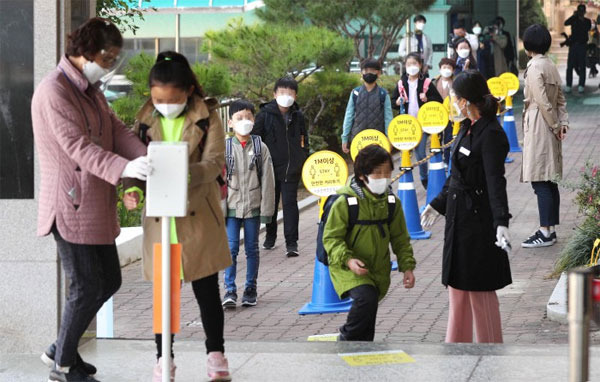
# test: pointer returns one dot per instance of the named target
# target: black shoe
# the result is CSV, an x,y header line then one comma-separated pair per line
x,y
230,299
249,298
48,358
268,244
75,374
537,240
293,253
553,236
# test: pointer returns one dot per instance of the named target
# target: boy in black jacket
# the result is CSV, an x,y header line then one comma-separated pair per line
x,y
280,124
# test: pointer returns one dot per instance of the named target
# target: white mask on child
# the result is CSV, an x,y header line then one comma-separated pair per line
x,y
378,186
463,53
170,110
243,127
477,30
446,73
285,100
412,70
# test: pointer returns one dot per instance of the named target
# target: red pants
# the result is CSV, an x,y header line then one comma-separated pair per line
x,y
467,307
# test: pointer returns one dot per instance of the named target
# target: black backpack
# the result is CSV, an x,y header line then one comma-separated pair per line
x,y
352,202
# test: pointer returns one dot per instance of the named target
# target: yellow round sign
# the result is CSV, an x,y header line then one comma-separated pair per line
x,y
433,117
369,137
511,81
447,103
324,172
405,132
497,87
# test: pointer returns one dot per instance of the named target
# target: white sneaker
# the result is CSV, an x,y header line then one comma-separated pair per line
x,y
567,89
580,89
157,374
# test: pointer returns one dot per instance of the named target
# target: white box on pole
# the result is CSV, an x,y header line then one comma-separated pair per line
x,y
167,186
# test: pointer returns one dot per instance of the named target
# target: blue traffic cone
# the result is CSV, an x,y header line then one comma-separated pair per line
x,y
510,128
499,118
437,173
408,198
324,298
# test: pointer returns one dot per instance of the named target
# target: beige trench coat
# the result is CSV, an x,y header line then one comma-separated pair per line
x,y
202,234
544,113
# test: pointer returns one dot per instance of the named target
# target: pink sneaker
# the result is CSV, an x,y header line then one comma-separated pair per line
x,y
157,375
217,367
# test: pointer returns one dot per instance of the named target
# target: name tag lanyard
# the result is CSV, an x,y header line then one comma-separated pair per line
x,y
96,140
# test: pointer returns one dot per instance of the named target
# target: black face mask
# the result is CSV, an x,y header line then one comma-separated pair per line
x,y
370,77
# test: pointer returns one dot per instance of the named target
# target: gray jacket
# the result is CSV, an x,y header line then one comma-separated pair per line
x,y
246,196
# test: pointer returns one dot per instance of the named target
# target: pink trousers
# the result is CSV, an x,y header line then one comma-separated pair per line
x,y
466,308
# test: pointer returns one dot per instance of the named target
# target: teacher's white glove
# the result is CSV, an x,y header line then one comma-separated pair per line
x,y
429,216
137,168
503,238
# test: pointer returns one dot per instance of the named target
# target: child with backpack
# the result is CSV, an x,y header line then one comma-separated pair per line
x,y
250,198
177,111
443,84
358,247
369,106
412,92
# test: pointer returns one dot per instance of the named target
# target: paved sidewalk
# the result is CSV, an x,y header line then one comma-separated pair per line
x,y
417,315
281,361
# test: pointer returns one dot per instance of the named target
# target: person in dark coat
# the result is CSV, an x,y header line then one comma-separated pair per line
x,y
474,202
280,123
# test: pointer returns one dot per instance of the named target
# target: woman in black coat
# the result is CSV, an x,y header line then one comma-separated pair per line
x,y
474,201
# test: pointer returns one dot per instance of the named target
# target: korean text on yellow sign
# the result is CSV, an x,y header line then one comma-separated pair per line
x,y
324,172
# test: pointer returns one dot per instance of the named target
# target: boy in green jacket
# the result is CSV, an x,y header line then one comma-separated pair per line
x,y
359,259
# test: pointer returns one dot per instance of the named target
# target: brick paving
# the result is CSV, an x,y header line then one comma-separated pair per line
x,y
417,315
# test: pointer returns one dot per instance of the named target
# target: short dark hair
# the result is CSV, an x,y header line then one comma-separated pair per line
x,y
447,61
537,39
419,18
286,83
499,19
370,63
172,68
93,36
581,7
368,159
239,105
458,24
472,86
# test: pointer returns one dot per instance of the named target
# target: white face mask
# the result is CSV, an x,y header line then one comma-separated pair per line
x,y
243,127
378,186
412,70
463,53
420,26
285,100
94,72
477,30
446,73
458,117
170,110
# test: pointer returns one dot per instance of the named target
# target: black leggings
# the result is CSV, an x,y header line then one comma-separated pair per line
x,y
207,294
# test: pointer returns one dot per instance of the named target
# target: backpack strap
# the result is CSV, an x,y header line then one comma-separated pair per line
x,y
352,202
257,158
381,222
229,159
143,134
355,92
391,208
403,96
426,85
382,95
